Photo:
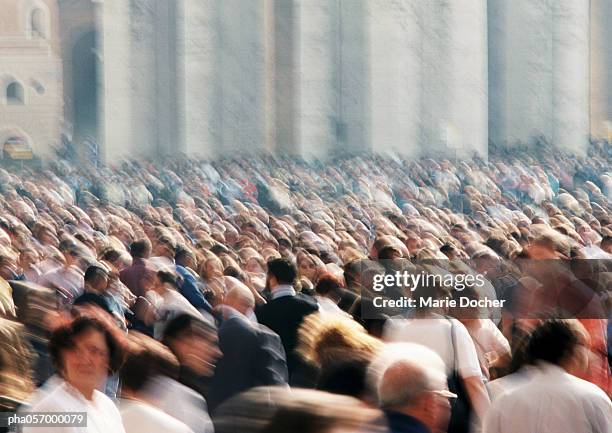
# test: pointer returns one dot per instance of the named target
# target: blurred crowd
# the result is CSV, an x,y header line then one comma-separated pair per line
x,y
189,295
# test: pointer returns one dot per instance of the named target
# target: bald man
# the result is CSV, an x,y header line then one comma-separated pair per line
x,y
253,355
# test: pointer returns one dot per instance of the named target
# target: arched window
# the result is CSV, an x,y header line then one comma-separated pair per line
x,y
37,24
14,94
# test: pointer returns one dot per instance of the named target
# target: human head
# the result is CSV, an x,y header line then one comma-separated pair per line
x,y
140,249
280,410
411,379
559,342
96,278
70,251
307,266
240,298
185,257
145,359
84,352
193,342
166,278
606,244
329,286
280,271
166,247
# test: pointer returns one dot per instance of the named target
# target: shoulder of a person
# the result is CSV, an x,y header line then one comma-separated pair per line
x,y
105,401
237,325
306,300
183,391
51,401
152,416
588,391
263,332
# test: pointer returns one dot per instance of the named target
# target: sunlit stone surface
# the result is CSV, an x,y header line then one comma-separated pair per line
x,y
539,72
315,78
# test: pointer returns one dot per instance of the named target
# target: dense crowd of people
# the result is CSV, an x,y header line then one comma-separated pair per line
x,y
200,296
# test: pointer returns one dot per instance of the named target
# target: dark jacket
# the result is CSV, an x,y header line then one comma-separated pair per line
x,y
284,316
252,356
401,423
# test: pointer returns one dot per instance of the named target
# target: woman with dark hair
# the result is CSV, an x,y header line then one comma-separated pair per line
x,y
84,352
328,293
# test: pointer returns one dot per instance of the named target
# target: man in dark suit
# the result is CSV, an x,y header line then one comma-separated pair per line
x,y
286,310
253,355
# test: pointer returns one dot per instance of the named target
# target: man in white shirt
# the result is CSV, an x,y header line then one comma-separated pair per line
x,y
451,341
553,400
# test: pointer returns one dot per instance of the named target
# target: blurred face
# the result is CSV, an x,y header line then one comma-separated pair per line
x,y
27,258
85,366
307,269
214,268
8,268
253,267
189,261
198,353
71,257
101,282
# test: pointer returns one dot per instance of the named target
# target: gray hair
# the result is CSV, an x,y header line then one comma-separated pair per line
x,y
403,371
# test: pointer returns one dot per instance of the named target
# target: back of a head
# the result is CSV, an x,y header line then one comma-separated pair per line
x,y
146,358
182,254
401,372
94,272
328,284
184,326
239,295
346,376
554,341
283,270
140,249
280,410
309,411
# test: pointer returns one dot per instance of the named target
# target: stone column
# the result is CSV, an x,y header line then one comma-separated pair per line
x,y
601,69
317,117
571,19
396,65
269,47
539,72
286,75
197,44
143,81
466,129
115,130
520,71
353,58
242,75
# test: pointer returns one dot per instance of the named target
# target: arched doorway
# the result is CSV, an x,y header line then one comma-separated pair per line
x,y
85,88
15,145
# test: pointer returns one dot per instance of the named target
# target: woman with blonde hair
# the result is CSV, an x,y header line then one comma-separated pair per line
x,y
339,350
15,374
